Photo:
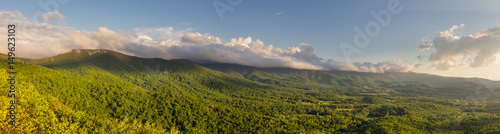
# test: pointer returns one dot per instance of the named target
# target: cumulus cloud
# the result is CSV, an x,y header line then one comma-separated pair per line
x,y
35,39
38,40
239,43
161,33
426,44
53,16
199,39
475,50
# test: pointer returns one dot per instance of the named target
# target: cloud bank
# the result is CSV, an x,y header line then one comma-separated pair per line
x,y
38,40
476,50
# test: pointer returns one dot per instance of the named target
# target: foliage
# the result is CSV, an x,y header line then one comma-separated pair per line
x,y
102,91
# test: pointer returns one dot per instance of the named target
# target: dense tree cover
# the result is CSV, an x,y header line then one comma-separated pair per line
x,y
101,91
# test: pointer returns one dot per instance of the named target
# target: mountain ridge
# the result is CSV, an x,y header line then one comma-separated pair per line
x,y
90,52
98,91
78,55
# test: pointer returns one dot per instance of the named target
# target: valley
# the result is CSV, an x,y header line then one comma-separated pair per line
x,y
103,91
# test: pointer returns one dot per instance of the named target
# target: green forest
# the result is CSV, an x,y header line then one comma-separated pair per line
x,y
102,91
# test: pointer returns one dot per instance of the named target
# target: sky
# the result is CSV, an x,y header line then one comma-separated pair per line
x,y
447,37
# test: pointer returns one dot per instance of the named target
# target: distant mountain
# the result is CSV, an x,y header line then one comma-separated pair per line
x,y
173,94
103,91
150,73
319,79
129,68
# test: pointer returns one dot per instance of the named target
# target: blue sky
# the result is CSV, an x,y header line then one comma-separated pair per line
x,y
283,23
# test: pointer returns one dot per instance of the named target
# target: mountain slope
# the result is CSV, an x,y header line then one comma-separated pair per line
x,y
102,91
206,94
58,102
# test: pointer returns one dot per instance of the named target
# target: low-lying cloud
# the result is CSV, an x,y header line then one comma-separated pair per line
x,y
38,40
476,50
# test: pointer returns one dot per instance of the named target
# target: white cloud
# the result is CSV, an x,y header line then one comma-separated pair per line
x,y
39,40
199,39
53,16
161,33
35,39
239,43
280,13
426,44
475,50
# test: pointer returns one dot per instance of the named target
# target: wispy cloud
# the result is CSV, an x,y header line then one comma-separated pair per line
x,y
53,16
280,13
42,40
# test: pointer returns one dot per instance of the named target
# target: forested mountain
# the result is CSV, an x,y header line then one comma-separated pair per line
x,y
319,79
102,91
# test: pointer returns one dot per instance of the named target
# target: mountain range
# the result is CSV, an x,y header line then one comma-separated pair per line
x,y
104,91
